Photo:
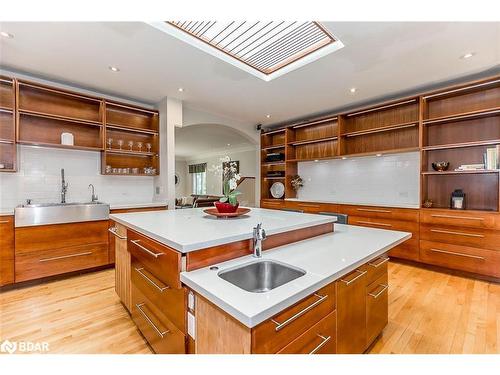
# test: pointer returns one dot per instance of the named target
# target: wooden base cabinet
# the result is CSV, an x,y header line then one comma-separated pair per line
x,y
6,250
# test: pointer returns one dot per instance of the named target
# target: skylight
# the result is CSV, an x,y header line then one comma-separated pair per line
x,y
265,49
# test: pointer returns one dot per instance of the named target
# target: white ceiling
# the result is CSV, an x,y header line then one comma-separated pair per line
x,y
378,58
204,139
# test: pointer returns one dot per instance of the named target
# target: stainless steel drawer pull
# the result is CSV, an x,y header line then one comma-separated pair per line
x,y
381,261
280,326
64,257
349,282
379,293
323,343
457,217
4,222
149,280
374,210
114,230
136,242
457,233
373,223
143,313
457,254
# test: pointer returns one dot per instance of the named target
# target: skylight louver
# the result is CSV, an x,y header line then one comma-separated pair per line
x,y
265,47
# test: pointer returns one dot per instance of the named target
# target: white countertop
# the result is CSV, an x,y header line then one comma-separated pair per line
x,y
191,229
354,203
112,206
324,258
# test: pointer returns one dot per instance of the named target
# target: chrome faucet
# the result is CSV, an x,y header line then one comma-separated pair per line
x,y
259,235
94,195
64,187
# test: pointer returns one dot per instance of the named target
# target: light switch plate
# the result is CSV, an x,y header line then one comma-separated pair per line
x,y
191,300
191,320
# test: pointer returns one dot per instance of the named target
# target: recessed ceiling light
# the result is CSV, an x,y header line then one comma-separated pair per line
x,y
352,90
467,55
268,116
180,89
229,144
114,69
5,34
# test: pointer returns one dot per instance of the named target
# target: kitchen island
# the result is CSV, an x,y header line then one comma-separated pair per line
x,y
171,282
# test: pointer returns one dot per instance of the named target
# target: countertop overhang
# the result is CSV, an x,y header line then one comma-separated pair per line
x,y
324,258
191,229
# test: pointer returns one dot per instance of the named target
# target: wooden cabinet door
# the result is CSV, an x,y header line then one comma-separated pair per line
x,y
6,250
377,308
122,265
351,312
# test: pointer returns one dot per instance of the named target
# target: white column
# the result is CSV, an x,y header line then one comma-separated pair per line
x,y
170,117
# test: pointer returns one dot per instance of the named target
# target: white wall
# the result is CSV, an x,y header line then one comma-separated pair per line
x,y
391,180
182,189
248,168
39,179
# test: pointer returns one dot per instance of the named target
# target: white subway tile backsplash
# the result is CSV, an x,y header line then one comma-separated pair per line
x,y
386,180
39,179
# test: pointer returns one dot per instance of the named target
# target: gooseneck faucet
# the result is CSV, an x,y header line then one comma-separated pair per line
x,y
94,195
64,187
259,235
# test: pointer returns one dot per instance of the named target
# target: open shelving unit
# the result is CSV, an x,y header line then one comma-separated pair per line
x,y
44,113
459,125
272,142
8,152
130,124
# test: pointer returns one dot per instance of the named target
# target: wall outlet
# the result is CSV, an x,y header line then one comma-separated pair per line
x,y
157,190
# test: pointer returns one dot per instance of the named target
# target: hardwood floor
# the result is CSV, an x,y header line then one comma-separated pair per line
x,y
429,312
81,314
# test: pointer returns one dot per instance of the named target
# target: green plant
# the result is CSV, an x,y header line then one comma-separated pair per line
x,y
230,179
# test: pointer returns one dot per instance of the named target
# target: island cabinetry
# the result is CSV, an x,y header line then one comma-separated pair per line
x,y
6,250
275,333
118,236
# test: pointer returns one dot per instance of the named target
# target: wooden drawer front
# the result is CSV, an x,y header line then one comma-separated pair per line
x,y
47,237
171,301
461,218
161,261
311,207
273,334
381,223
122,265
6,250
376,268
465,258
407,250
161,334
273,204
404,214
44,263
319,339
475,237
377,308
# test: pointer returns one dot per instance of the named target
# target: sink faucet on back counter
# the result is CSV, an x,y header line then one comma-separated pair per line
x,y
178,259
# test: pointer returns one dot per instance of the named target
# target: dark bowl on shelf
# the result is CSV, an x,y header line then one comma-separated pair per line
x,y
440,166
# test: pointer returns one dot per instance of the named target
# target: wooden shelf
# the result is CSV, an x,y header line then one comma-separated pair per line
x,y
130,129
274,131
55,145
463,116
60,118
444,173
128,152
461,145
381,129
7,141
6,109
274,163
306,142
315,122
273,147
131,174
274,178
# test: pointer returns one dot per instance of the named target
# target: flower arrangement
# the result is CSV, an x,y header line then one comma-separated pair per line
x,y
297,182
230,178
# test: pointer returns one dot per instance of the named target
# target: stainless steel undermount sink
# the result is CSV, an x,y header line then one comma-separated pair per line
x,y
261,276
60,213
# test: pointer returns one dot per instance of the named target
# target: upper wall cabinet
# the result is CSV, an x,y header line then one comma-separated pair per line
x,y
392,127
45,113
7,125
132,141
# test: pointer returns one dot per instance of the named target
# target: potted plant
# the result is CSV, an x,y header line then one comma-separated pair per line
x,y
230,177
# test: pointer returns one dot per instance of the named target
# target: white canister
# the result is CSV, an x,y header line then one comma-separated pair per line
x,y
67,139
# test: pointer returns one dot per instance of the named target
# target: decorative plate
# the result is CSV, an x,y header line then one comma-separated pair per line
x,y
240,211
277,190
